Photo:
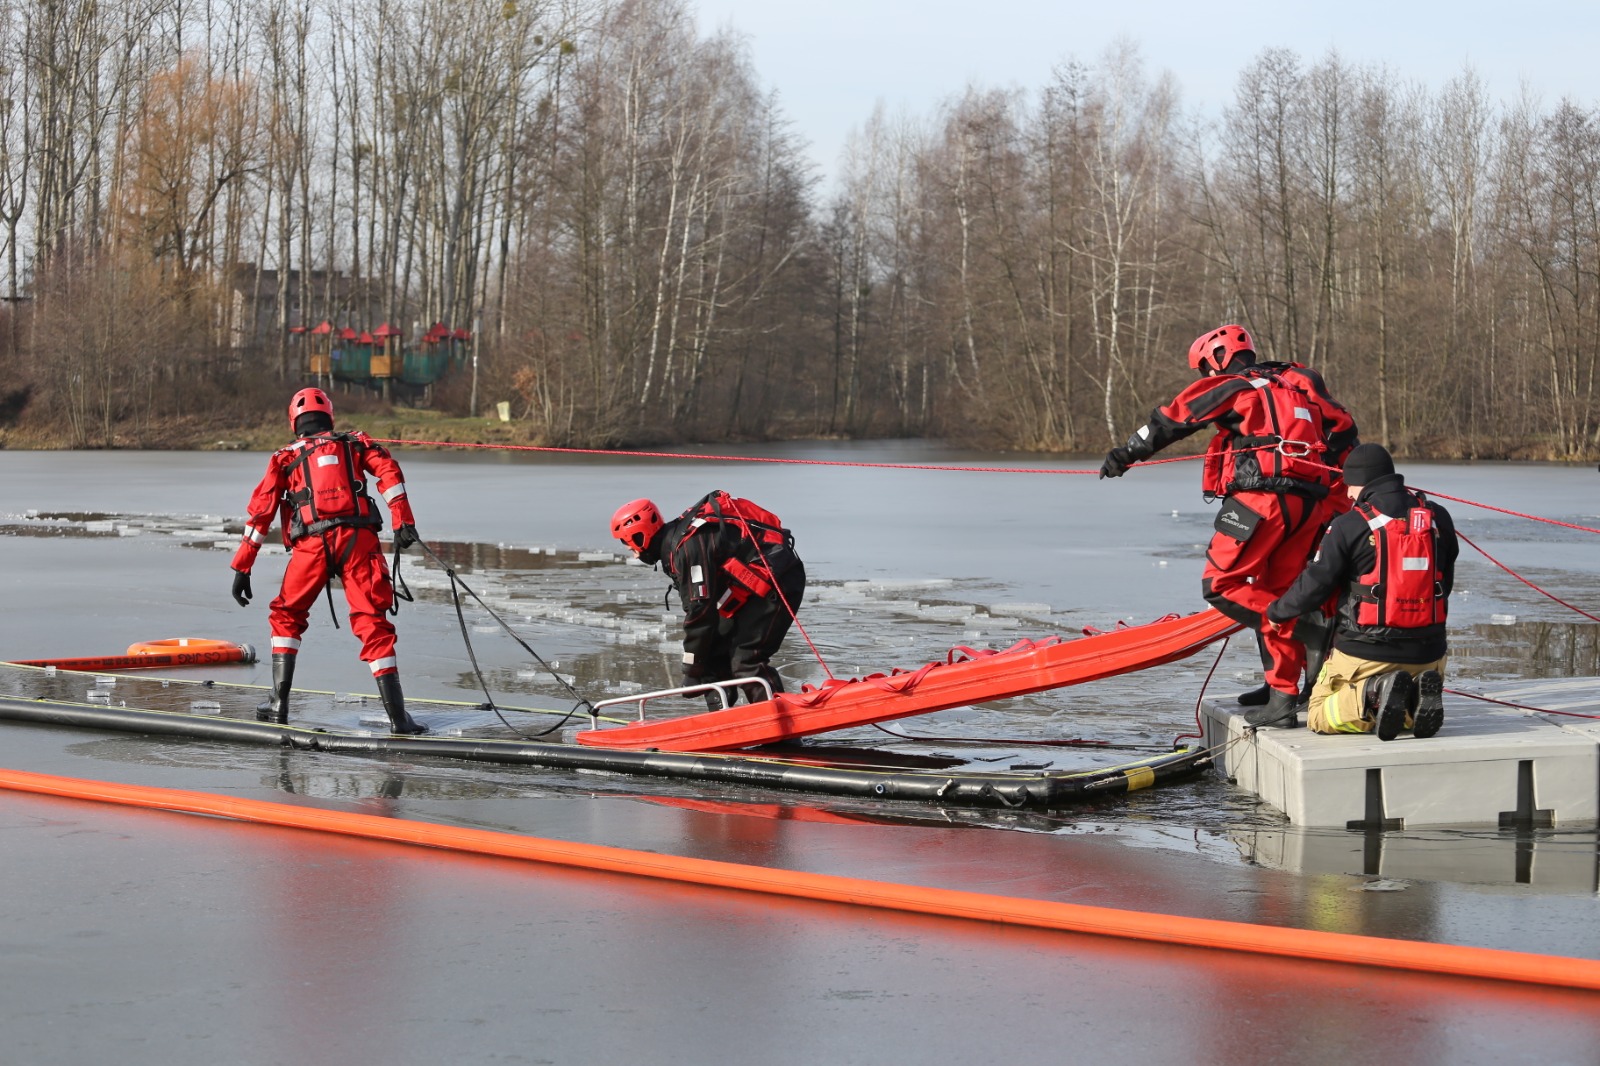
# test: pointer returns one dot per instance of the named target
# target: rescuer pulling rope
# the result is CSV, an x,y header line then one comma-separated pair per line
x,y
316,488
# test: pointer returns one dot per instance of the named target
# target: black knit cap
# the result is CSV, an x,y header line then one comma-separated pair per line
x,y
1366,463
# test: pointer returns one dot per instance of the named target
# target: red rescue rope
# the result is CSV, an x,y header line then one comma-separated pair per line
x,y
1525,581
1199,700
769,459
910,681
1515,514
761,557
1518,706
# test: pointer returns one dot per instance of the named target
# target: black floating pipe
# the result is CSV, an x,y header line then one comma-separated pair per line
x,y
1036,792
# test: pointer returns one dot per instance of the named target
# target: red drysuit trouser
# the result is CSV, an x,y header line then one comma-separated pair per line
x,y
1242,578
354,555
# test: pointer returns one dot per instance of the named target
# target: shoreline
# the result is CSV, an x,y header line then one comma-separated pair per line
x,y
197,434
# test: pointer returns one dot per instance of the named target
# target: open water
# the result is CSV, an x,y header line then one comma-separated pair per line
x,y
159,940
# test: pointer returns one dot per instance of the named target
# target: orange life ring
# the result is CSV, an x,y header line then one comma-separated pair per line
x,y
191,645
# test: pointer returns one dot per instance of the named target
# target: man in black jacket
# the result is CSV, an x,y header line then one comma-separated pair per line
x,y
1391,561
740,581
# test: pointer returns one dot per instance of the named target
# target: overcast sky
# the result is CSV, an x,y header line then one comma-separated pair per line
x,y
831,61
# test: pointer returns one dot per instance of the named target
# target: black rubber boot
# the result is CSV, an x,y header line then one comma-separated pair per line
x,y
1428,714
1262,692
757,694
1282,710
276,708
394,705
1316,635
1315,657
1387,700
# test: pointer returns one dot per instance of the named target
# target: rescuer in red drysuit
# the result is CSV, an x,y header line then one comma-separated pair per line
x,y
1280,441
317,488
740,581
1391,560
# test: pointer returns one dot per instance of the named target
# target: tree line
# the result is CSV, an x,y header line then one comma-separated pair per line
x,y
628,221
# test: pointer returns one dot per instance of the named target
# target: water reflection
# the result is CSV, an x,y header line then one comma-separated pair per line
x,y
1527,649
1564,860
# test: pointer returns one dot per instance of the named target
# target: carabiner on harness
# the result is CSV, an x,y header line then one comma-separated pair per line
x,y
1295,449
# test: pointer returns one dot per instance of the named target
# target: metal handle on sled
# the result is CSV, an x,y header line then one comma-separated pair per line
x,y
686,690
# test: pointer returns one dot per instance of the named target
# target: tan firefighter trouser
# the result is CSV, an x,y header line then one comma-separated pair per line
x,y
1338,699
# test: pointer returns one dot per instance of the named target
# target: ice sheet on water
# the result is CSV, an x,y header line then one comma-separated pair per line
x,y
948,610
1021,610
885,584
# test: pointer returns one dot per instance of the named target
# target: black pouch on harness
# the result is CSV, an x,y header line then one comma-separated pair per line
x,y
1236,520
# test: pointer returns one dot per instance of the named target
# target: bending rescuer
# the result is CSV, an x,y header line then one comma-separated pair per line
x,y
1275,457
317,487
735,569
1392,563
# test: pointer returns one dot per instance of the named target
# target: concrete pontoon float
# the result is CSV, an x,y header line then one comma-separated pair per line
x,y
1491,765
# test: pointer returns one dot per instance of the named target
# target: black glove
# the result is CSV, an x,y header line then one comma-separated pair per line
x,y
241,587
406,536
1117,462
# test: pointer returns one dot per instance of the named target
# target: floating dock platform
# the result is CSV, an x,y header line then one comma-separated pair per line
x,y
1489,766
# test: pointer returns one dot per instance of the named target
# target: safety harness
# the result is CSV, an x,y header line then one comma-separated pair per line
x,y
325,492
325,489
1280,450
758,532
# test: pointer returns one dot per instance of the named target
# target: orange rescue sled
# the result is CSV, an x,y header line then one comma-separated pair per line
x,y
966,676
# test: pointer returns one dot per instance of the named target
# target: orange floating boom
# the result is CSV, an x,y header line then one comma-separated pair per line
x,y
973,677
153,654
1454,959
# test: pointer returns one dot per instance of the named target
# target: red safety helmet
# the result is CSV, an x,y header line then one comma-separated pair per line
x,y
308,400
636,523
1212,352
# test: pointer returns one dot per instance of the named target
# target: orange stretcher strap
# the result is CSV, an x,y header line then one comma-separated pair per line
x,y
1453,959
